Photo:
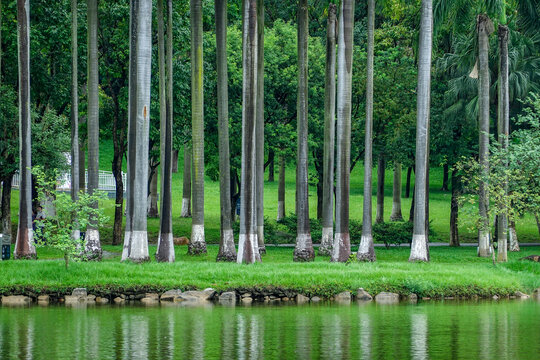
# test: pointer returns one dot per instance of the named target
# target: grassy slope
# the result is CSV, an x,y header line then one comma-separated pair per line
x,y
439,204
452,272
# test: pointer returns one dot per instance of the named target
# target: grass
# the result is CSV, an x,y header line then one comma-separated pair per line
x,y
451,272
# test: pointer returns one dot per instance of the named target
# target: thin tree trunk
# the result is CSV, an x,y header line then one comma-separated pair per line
x,y
152,205
408,183
396,194
259,127
342,244
175,161
304,246
445,178
327,238
366,250
186,184
512,234
381,171
93,245
484,28
140,53
227,251
281,189
419,245
82,164
197,245
24,246
503,129
74,111
271,161
411,210
165,248
248,251
6,209
454,210
119,199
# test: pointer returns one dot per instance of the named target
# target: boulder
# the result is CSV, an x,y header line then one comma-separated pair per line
x,y
102,300
363,295
43,299
91,298
495,297
119,300
196,296
247,300
181,240
315,299
536,294
413,298
79,292
343,297
16,300
228,297
387,298
531,258
301,299
170,295
521,295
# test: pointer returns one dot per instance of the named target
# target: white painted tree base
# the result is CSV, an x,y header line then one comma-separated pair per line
x,y
186,211
280,210
327,240
514,244
366,251
135,246
227,252
418,248
341,247
31,247
484,248
167,241
260,239
247,244
197,243
92,246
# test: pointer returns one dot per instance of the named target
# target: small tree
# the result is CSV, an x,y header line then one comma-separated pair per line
x,y
57,227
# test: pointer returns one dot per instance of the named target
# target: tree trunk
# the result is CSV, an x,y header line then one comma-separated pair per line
x,y
445,178
327,238
6,209
93,245
82,165
175,161
119,200
503,128
366,250
136,237
281,189
419,245
24,246
271,160
304,246
74,111
454,210
165,248
408,183
396,194
342,244
411,210
227,251
197,245
186,184
248,251
512,234
381,170
259,128
152,205
484,28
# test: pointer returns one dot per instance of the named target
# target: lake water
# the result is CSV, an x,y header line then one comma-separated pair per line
x,y
432,330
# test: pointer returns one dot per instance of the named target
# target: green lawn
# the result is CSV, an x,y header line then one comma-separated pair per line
x,y
439,204
451,272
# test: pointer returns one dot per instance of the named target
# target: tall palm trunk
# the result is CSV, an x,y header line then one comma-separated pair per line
x,y
381,171
248,251
152,204
281,189
93,245
304,246
396,194
503,125
24,246
329,135
484,28
366,250
454,209
419,245
165,249
74,110
512,234
197,245
186,183
140,54
342,244
227,252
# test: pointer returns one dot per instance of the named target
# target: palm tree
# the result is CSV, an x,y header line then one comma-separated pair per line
x,y
248,251
74,110
366,251
396,194
140,55
329,134
281,189
186,183
304,246
197,245
342,244
227,251
93,245
484,28
260,127
24,246
419,244
165,249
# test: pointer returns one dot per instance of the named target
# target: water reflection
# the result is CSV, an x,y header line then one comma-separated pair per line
x,y
426,331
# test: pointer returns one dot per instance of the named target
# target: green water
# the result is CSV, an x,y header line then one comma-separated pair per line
x,y
485,330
